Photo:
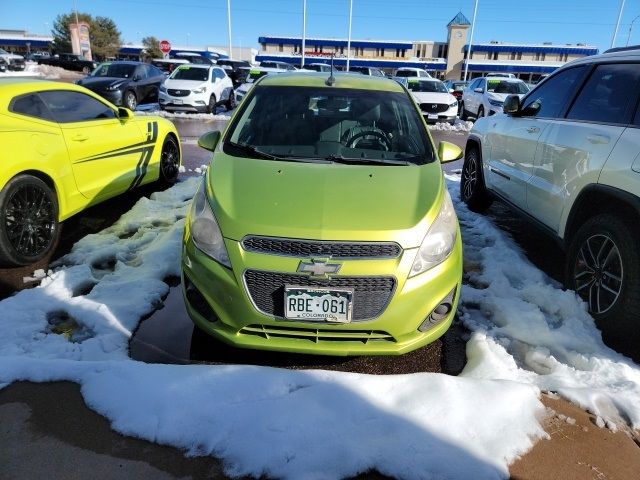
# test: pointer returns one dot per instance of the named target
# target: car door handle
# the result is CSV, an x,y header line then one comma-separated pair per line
x,y
533,129
598,139
79,137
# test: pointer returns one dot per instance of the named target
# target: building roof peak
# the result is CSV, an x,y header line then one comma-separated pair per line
x,y
459,19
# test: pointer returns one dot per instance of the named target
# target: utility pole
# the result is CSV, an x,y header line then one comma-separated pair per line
x,y
304,29
349,39
473,26
229,27
615,32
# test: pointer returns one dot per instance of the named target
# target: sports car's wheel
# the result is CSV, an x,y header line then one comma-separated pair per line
x,y
130,100
211,108
603,267
169,162
231,102
28,221
472,188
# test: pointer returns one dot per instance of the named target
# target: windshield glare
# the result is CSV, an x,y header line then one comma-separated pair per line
x,y
427,86
190,73
320,123
118,70
501,86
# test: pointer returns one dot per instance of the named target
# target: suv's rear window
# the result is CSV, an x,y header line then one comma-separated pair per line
x,y
325,122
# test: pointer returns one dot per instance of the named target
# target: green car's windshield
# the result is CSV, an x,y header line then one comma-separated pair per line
x,y
502,86
341,125
118,70
416,85
190,73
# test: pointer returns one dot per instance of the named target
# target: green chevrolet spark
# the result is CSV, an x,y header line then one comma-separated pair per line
x,y
323,224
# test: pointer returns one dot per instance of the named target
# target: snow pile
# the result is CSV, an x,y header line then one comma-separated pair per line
x,y
528,335
458,126
528,329
153,109
35,70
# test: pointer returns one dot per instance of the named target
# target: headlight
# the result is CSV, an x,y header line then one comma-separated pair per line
x,y
440,239
204,229
200,90
454,104
114,86
163,89
496,103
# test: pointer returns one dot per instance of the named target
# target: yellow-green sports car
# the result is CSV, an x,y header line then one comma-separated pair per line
x,y
64,149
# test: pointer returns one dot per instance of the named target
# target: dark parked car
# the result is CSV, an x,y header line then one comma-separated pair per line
x,y
274,64
69,61
232,67
125,83
3,65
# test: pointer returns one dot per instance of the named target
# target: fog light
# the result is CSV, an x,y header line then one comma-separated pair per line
x,y
439,313
197,301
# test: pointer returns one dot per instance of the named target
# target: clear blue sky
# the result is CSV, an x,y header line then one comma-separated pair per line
x,y
204,22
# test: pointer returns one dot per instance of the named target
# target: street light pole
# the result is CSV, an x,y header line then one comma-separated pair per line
x,y
349,39
304,29
630,28
473,26
615,32
229,27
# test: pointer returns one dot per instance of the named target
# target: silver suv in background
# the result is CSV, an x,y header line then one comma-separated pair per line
x,y
567,155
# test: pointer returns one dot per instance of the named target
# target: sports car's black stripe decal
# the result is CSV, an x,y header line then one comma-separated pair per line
x,y
152,136
145,157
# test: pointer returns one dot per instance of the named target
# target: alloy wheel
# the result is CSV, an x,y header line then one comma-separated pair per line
x,y
598,273
30,220
169,160
469,175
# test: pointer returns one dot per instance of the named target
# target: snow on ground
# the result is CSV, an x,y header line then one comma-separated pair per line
x,y
154,109
34,70
528,335
458,126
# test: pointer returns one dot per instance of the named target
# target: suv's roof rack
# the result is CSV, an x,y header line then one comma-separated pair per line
x,y
622,49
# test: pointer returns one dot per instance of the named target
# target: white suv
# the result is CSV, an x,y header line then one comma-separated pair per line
x,y
196,88
568,156
485,95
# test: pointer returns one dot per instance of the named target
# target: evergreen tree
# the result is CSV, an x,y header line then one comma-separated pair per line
x,y
103,34
152,47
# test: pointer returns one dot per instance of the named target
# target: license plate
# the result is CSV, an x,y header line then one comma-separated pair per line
x,y
177,102
432,117
318,304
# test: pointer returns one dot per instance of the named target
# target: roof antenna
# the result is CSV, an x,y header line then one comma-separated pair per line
x,y
331,80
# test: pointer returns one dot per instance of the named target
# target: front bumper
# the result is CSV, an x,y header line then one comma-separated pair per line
x,y
113,96
447,116
218,302
191,103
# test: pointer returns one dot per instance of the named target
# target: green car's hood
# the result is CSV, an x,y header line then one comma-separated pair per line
x,y
324,201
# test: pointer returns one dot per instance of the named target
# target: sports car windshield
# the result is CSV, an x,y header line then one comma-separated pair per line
x,y
426,86
191,73
502,86
117,70
329,125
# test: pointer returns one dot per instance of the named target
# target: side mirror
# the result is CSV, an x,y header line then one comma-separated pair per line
x,y
209,141
478,90
451,90
448,152
124,114
511,105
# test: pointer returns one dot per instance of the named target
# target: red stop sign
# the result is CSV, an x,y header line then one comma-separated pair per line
x,y
165,46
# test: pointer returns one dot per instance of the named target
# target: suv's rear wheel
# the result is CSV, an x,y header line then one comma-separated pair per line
x,y
472,189
603,267
211,107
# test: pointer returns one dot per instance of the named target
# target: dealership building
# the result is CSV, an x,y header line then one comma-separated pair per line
x,y
442,59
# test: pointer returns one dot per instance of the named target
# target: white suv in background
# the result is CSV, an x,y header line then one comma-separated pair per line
x,y
485,95
434,99
567,155
196,88
406,72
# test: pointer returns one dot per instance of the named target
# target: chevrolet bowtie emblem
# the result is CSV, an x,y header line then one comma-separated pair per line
x,y
318,268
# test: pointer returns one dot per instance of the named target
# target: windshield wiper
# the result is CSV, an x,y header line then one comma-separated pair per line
x,y
367,161
251,150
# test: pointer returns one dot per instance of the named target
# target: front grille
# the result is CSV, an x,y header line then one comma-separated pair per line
x,y
316,335
371,295
178,93
309,248
434,107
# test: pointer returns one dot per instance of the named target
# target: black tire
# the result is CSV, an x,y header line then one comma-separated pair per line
x,y
603,267
29,226
130,100
231,101
463,112
211,107
480,112
169,162
472,188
